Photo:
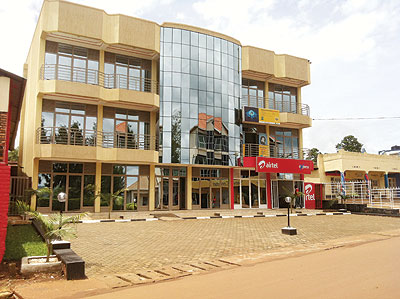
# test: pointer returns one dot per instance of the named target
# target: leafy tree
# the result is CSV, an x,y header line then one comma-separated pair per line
x,y
176,138
312,154
350,144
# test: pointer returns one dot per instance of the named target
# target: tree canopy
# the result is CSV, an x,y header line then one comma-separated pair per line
x,y
350,144
312,154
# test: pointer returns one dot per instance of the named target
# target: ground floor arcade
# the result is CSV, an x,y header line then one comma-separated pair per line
x,y
95,187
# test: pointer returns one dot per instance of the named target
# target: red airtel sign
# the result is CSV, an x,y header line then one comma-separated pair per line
x,y
276,165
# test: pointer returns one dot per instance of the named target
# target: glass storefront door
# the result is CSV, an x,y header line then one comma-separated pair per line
x,y
170,188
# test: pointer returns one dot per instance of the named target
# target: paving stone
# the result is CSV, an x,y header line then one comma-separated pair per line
x,y
187,268
126,247
173,273
149,274
133,278
113,281
217,263
203,266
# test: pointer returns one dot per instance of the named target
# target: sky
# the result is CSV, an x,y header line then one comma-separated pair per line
x,y
354,47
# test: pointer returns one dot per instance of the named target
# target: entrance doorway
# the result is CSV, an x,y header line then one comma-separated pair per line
x,y
170,188
283,188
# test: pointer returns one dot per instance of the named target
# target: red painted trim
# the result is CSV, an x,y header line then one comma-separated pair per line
x,y
232,188
269,199
302,177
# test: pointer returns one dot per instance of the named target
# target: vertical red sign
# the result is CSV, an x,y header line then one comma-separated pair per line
x,y
309,195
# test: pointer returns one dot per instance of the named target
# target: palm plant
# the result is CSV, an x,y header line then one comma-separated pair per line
x,y
56,227
109,198
342,196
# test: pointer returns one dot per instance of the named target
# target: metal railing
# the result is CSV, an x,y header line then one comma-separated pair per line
x,y
19,190
129,141
95,77
73,136
253,150
67,136
388,198
282,106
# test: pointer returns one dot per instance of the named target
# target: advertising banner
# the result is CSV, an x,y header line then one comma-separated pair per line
x,y
309,195
276,165
261,115
263,150
268,116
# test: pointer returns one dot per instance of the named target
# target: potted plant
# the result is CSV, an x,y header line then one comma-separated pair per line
x,y
342,196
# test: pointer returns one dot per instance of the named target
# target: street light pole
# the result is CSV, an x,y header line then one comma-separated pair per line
x,y
288,230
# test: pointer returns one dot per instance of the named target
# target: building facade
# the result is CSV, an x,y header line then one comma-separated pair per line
x,y
159,117
374,171
11,93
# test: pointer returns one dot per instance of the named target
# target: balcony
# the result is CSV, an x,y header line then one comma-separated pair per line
x,y
253,150
95,77
292,114
72,144
72,136
138,92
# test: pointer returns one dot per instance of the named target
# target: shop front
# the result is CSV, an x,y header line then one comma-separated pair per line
x,y
265,182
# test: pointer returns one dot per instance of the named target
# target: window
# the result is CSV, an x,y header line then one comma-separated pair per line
x,y
128,184
124,128
68,123
252,93
71,63
284,143
283,98
76,179
127,72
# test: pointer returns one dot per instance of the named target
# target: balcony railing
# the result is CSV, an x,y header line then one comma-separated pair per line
x,y
253,150
95,77
73,136
282,106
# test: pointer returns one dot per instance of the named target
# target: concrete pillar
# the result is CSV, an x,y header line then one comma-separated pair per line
x,y
386,176
301,144
189,188
152,189
266,99
97,199
101,62
35,181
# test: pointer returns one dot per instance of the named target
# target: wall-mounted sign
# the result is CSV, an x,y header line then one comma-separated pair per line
x,y
309,195
263,150
261,115
276,165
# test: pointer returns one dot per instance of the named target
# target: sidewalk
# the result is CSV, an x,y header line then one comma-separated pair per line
x,y
309,281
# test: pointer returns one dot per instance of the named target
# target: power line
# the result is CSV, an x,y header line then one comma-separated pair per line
x,y
359,118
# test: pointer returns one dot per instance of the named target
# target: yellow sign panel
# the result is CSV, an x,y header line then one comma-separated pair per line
x,y
263,150
268,116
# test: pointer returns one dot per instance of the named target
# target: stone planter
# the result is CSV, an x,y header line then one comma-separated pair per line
x,y
35,264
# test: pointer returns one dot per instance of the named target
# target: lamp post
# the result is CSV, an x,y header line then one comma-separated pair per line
x,y
288,230
61,197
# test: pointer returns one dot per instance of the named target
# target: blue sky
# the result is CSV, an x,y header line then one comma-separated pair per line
x,y
353,45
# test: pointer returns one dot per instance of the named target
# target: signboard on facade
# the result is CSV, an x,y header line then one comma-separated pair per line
x,y
276,165
261,115
269,116
263,150
309,195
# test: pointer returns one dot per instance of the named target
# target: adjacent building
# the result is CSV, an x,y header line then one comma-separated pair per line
x,y
11,94
369,170
167,116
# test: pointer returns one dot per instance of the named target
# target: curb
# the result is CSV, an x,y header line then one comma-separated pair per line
x,y
213,217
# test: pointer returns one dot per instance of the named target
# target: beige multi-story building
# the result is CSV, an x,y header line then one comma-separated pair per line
x,y
166,116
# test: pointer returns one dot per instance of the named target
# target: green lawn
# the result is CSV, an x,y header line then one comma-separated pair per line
x,y
23,240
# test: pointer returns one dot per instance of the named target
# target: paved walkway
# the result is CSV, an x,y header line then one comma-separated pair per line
x,y
110,248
